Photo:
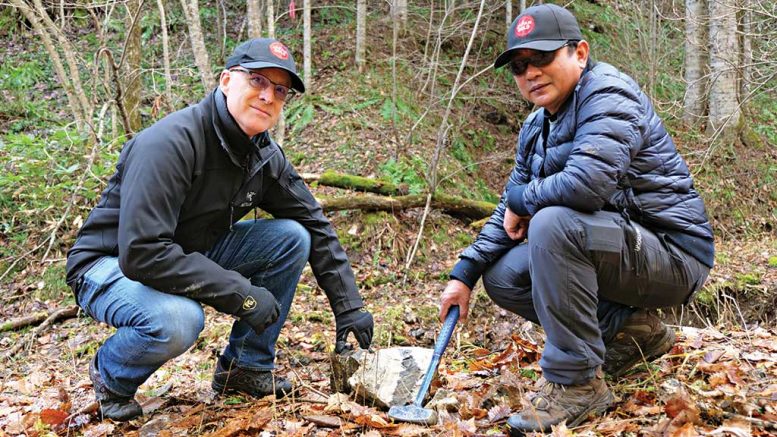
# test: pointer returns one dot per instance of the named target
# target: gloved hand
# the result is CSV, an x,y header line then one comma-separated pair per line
x,y
359,321
259,309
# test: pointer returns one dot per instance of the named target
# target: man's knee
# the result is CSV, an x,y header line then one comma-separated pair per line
x,y
551,224
513,297
175,324
296,237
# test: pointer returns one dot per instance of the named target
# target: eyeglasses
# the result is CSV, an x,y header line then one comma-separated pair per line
x,y
260,82
539,59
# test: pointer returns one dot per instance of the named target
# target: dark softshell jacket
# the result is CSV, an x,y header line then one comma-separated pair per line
x,y
179,186
608,150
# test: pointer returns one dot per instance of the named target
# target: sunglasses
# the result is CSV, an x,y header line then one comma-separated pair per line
x,y
539,59
261,83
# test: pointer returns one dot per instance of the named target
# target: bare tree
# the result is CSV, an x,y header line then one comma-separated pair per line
x,y
307,35
280,128
747,47
130,68
72,84
724,112
271,18
191,9
508,13
442,137
254,18
695,61
523,5
166,56
361,33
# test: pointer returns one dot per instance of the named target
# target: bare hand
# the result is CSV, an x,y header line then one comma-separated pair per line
x,y
516,226
455,293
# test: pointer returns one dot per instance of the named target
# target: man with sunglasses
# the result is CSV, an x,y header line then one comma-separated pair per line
x,y
599,222
166,237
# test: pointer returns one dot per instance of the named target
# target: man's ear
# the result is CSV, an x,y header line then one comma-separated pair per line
x,y
224,80
582,52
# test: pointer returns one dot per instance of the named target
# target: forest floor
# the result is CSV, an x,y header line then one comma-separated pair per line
x,y
719,379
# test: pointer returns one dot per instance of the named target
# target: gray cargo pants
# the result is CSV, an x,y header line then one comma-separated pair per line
x,y
580,276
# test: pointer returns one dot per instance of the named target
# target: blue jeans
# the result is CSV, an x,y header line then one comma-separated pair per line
x,y
581,276
154,327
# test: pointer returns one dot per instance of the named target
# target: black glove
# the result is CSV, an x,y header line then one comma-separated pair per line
x,y
359,321
259,309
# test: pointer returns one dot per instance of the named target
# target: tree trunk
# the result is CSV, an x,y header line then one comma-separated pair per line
x,y
130,68
724,119
69,54
56,60
191,9
508,13
166,56
271,18
523,5
361,34
254,18
695,60
747,49
307,35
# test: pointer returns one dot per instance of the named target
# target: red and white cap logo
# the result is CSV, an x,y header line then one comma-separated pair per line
x,y
279,50
524,26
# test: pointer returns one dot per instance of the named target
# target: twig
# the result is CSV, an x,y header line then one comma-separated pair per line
x,y
13,264
67,312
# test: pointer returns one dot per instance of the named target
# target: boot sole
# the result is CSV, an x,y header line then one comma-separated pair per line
x,y
662,347
593,409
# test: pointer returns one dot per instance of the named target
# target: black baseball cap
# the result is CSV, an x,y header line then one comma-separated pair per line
x,y
544,27
266,53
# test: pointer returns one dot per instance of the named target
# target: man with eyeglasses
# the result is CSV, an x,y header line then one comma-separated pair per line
x,y
598,222
166,237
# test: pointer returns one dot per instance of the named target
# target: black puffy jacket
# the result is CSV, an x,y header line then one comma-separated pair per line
x,y
607,150
178,188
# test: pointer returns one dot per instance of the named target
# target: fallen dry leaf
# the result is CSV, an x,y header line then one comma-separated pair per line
x,y
687,430
53,417
498,413
325,421
682,409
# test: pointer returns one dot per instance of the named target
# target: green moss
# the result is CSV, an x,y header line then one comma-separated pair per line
x,y
772,261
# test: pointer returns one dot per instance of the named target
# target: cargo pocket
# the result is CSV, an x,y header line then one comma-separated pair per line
x,y
603,238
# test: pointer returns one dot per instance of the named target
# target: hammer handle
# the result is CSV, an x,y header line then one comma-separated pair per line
x,y
439,348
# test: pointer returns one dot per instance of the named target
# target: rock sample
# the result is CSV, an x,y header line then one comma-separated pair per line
x,y
382,378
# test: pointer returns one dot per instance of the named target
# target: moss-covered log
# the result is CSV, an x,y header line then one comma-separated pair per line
x,y
356,183
452,205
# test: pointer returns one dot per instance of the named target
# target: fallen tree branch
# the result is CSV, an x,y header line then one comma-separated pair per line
x,y
61,313
452,205
356,183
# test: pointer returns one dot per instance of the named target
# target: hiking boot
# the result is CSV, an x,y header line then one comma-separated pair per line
x,y
556,403
112,406
643,336
228,378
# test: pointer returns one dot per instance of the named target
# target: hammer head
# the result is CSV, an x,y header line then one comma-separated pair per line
x,y
413,414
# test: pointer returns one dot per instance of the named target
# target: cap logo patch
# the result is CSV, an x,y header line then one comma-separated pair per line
x,y
524,26
249,303
279,50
